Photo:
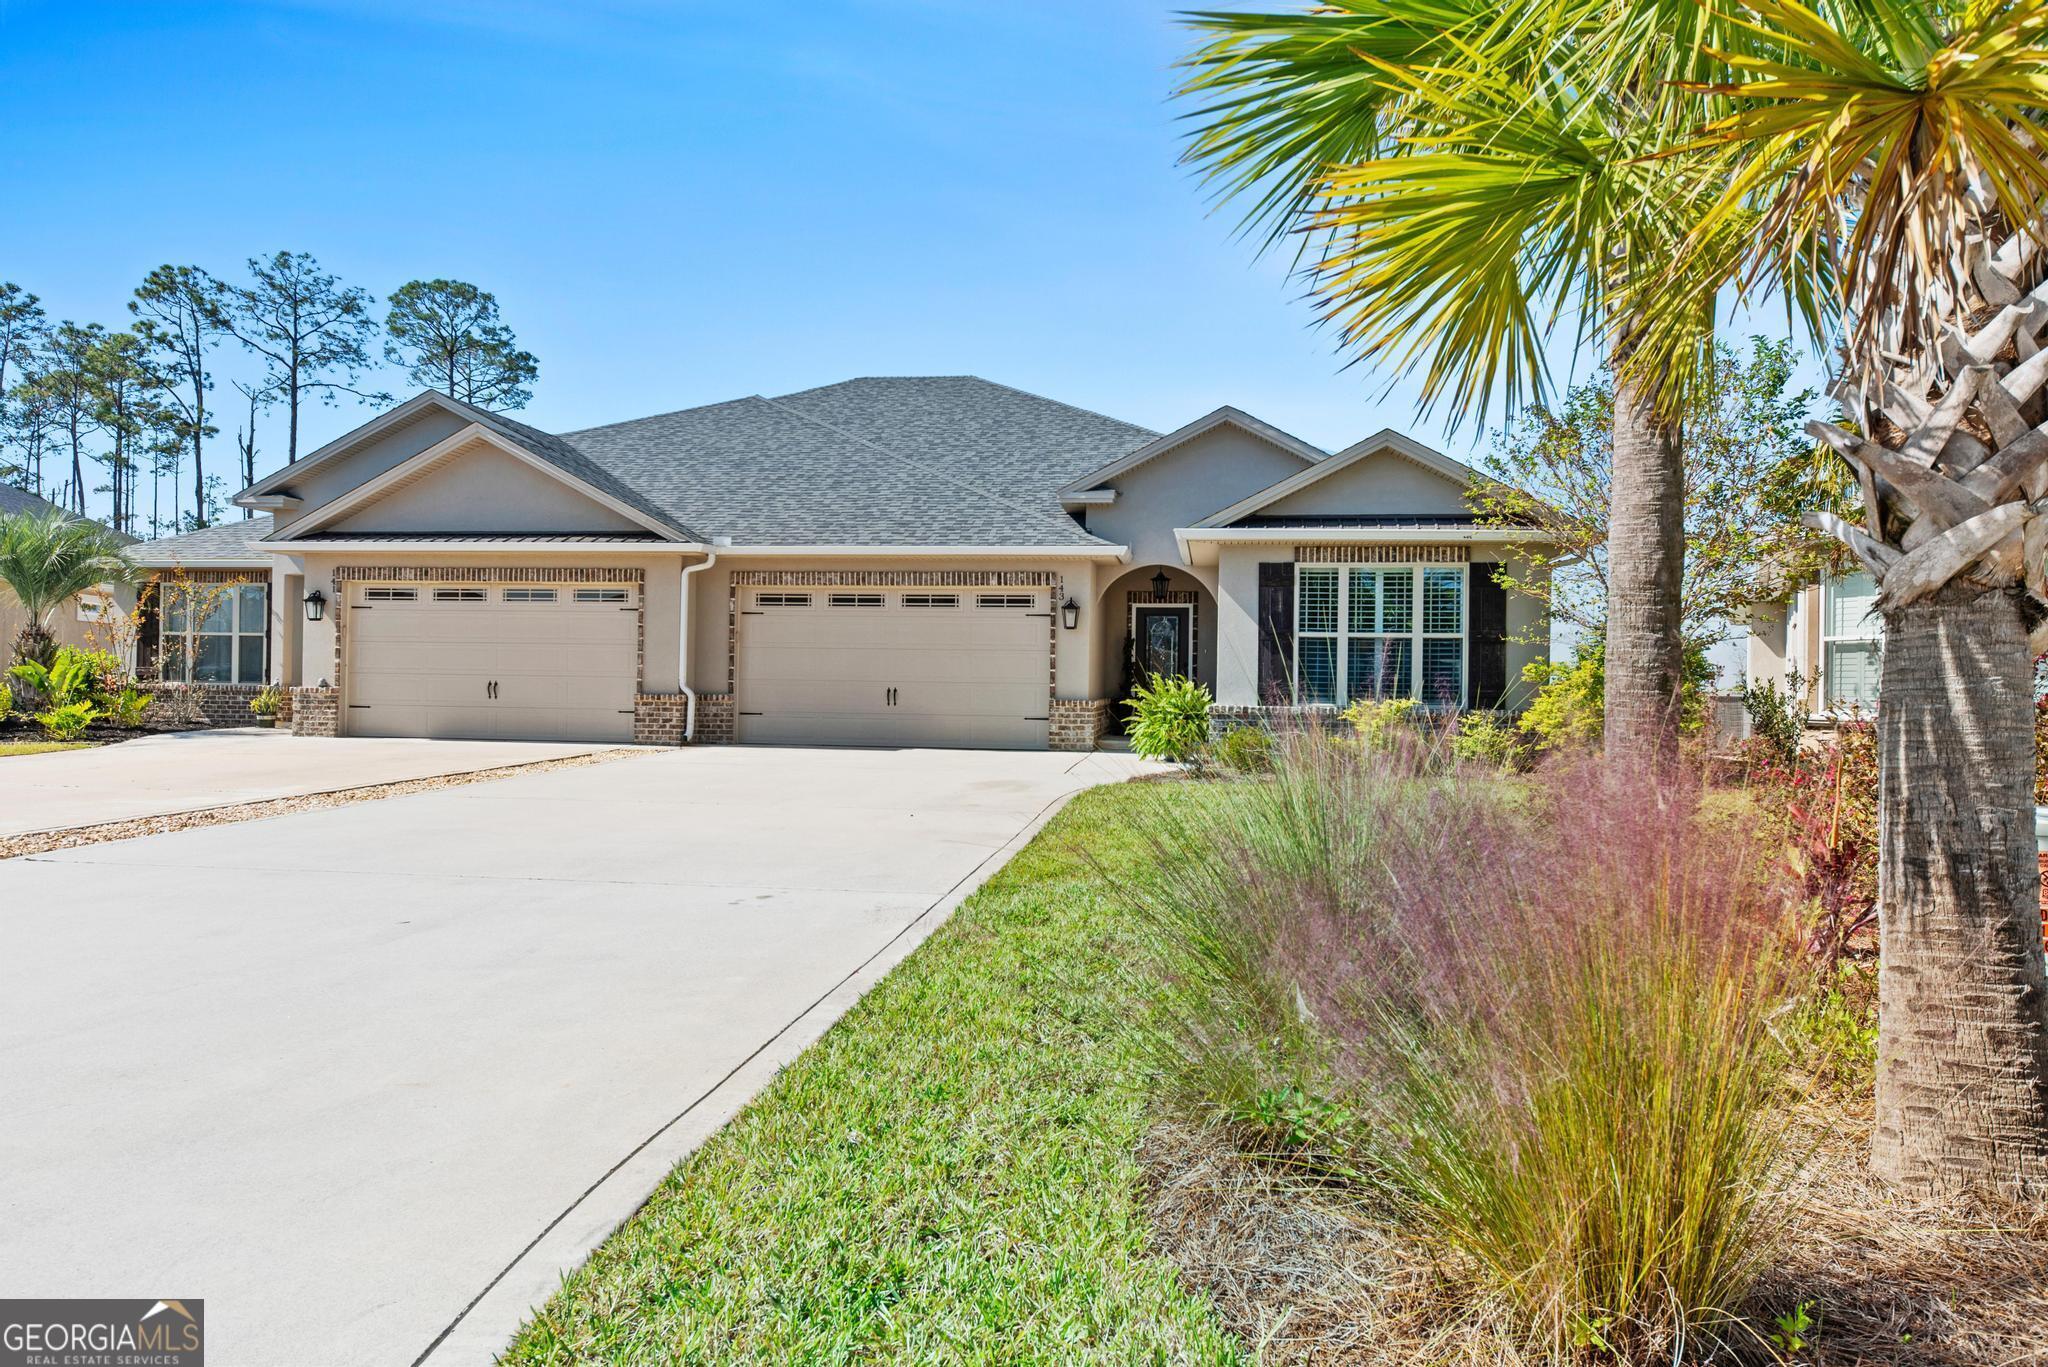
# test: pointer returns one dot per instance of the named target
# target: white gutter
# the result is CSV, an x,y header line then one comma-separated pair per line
x,y
842,552
683,652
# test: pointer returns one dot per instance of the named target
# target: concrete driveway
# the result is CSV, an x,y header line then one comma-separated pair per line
x,y
369,1079
189,770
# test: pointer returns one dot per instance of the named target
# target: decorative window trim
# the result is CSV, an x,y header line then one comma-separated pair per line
x,y
389,595
856,600
529,595
1341,633
1383,555
931,600
603,595
782,600
461,596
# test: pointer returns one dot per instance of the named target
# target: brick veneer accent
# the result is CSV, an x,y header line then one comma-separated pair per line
x,y
658,718
316,711
1382,555
1230,718
715,718
1077,723
215,704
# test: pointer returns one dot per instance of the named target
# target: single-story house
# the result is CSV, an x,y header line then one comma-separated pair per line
x,y
928,561
1822,645
81,622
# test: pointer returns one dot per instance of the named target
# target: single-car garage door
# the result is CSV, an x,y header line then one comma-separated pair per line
x,y
866,666
492,661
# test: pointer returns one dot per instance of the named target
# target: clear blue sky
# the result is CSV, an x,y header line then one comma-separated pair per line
x,y
681,203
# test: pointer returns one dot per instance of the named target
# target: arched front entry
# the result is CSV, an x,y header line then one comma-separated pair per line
x,y
1153,619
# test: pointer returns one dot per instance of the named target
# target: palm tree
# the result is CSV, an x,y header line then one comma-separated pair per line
x,y
1462,176
48,558
1895,149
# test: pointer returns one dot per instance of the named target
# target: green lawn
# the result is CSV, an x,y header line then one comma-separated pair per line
x,y
40,747
946,1176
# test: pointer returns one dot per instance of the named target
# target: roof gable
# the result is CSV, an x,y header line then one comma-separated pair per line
x,y
440,479
1181,436
1292,493
591,476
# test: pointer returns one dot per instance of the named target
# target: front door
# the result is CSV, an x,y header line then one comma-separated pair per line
x,y
1159,642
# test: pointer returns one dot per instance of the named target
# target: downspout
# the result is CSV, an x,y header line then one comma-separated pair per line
x,y
683,654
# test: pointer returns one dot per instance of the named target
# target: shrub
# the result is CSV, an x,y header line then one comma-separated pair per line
x,y
268,701
1822,805
1244,750
1777,722
1381,724
127,706
1483,738
1569,710
69,721
6,701
1170,718
71,677
1533,1019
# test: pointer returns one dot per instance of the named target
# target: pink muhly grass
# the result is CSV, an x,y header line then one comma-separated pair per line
x,y
1539,1011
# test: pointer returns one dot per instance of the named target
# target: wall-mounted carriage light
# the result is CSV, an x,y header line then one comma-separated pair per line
x,y
316,605
1070,614
1159,583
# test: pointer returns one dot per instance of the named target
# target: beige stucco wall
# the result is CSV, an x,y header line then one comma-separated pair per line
x,y
1385,482
480,488
64,625
1237,644
325,483
1178,488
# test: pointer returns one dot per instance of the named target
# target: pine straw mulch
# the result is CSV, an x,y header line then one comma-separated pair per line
x,y
1304,1275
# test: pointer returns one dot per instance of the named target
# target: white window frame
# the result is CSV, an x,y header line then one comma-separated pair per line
x,y
1416,634
1868,629
182,647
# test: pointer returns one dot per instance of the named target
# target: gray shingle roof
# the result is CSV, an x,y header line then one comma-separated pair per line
x,y
231,539
946,461
13,500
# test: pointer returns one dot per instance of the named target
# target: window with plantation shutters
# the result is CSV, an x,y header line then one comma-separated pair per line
x,y
1380,632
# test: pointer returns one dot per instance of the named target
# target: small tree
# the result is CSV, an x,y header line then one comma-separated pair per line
x,y
49,558
449,337
1750,475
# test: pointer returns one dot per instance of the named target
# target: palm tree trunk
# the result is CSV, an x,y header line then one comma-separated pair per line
x,y
1645,565
1962,1052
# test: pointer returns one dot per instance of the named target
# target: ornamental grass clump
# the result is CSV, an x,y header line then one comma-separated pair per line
x,y
1530,1024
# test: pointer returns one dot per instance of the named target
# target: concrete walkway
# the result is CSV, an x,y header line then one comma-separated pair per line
x,y
369,1079
189,770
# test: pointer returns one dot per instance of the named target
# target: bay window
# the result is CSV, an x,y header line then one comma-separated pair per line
x,y
215,633
1379,631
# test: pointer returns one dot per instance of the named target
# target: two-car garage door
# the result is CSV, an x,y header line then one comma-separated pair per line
x,y
493,661
828,665
894,666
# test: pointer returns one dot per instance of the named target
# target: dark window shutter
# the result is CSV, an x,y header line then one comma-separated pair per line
x,y
1489,619
1276,630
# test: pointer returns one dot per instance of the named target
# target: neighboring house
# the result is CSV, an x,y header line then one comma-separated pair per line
x,y
72,624
1829,635
901,561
